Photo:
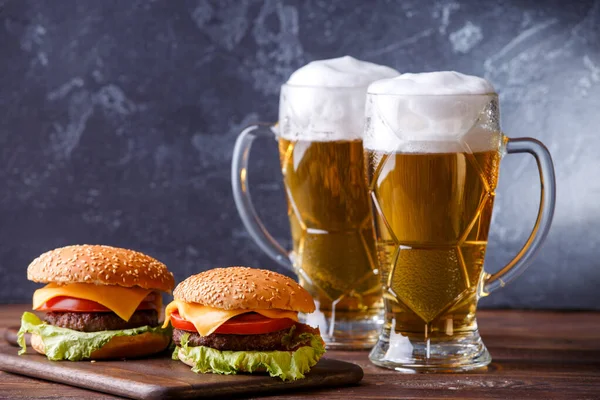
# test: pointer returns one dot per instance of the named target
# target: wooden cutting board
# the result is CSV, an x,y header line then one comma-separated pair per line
x,y
162,378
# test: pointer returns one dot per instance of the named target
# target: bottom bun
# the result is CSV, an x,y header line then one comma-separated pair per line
x,y
185,360
120,346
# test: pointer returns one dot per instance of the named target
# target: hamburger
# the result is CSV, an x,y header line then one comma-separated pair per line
x,y
100,302
238,319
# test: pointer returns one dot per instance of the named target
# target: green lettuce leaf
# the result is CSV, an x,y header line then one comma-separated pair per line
x,y
288,339
287,365
67,344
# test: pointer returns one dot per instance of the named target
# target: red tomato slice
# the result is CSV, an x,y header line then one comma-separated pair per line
x,y
244,324
70,304
254,324
178,322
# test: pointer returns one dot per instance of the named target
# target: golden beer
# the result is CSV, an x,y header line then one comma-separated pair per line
x,y
432,217
331,225
433,148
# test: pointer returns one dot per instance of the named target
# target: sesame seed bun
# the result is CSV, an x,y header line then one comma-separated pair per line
x,y
242,288
101,265
140,345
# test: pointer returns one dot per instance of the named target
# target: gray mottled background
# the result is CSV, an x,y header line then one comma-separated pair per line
x,y
117,121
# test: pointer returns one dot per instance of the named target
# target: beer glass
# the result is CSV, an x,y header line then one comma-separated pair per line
x,y
322,164
432,164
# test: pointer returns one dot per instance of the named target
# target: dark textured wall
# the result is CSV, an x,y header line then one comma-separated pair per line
x,y
117,121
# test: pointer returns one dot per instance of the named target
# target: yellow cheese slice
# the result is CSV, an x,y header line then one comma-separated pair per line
x,y
123,301
207,319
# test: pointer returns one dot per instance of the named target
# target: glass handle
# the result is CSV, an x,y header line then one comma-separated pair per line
x,y
544,217
243,200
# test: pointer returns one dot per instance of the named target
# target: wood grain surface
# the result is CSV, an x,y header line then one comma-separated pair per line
x,y
160,377
537,355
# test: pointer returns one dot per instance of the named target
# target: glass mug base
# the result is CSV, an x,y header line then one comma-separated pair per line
x,y
350,331
460,353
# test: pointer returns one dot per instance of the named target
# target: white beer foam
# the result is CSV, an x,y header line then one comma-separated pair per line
x,y
430,112
325,99
432,83
344,71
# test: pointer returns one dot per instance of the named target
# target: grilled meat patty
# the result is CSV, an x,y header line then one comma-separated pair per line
x,y
100,321
261,342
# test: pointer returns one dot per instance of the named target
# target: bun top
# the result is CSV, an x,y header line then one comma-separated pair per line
x,y
242,288
100,265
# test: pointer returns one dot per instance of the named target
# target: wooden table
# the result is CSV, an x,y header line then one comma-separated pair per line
x,y
537,355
